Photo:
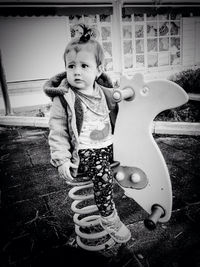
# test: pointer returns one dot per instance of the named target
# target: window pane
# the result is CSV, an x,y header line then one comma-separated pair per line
x,y
139,31
175,44
152,60
139,17
105,18
159,45
163,44
107,47
175,28
105,33
126,18
152,29
164,28
75,19
175,58
139,61
152,45
175,16
127,32
89,19
127,47
163,16
139,46
151,17
128,62
163,59
108,64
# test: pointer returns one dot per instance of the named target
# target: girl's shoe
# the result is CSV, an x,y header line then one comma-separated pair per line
x,y
115,228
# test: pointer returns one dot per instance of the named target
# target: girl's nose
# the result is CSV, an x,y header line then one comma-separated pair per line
x,y
77,70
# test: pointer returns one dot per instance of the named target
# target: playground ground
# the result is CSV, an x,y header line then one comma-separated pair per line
x,y
36,219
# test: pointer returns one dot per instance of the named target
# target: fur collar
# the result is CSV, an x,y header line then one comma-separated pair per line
x,y
58,84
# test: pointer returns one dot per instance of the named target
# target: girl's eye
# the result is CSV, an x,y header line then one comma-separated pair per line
x,y
84,66
71,66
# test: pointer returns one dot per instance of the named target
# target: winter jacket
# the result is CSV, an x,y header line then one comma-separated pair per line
x,y
66,117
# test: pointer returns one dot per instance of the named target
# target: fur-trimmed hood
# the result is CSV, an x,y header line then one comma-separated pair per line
x,y
58,84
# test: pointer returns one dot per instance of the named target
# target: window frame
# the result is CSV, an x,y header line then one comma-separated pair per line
x,y
99,25
144,22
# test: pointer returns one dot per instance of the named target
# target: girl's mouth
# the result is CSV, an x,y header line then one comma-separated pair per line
x,y
78,80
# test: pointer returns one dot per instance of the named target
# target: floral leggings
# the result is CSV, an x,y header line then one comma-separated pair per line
x,y
96,163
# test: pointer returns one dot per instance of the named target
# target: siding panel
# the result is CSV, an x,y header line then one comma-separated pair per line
x,y
188,41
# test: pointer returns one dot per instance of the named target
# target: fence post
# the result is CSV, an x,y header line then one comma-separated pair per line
x,y
3,84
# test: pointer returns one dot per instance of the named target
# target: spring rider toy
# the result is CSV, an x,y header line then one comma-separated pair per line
x,y
139,166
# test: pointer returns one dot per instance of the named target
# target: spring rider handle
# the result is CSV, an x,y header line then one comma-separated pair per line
x,y
126,94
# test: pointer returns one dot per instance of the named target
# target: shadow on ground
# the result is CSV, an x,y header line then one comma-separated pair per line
x,y
37,227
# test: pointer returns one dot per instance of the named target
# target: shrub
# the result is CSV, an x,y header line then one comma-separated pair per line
x,y
189,112
189,80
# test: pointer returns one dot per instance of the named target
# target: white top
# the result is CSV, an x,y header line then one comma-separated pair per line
x,y
96,129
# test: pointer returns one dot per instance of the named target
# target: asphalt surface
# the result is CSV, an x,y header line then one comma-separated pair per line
x,y
36,219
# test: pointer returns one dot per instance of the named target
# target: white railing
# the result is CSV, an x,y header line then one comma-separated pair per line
x,y
158,127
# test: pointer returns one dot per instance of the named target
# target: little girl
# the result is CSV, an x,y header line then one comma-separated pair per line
x,y
82,120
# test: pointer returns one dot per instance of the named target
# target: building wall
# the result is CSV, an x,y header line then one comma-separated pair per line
x,y
197,40
32,47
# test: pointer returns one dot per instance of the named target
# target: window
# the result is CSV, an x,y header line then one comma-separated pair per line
x,y
151,40
103,23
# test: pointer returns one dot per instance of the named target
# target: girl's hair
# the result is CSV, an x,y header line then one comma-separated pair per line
x,y
86,42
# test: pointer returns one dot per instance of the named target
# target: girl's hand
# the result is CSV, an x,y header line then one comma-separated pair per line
x,y
64,171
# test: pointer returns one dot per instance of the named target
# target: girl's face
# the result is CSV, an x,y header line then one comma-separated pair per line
x,y
82,70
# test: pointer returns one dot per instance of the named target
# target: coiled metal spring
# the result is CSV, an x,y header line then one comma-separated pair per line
x,y
93,241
